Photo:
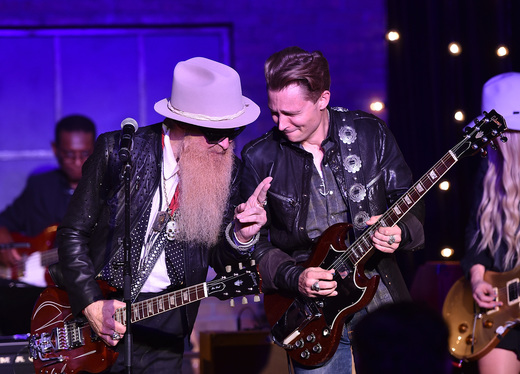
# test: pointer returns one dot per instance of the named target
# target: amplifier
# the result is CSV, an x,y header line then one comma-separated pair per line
x,y
14,358
240,352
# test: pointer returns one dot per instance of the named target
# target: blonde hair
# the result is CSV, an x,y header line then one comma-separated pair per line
x,y
499,210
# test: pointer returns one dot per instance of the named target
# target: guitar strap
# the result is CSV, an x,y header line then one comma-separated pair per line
x,y
347,168
112,272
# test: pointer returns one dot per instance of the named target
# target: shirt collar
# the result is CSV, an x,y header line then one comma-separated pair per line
x,y
170,165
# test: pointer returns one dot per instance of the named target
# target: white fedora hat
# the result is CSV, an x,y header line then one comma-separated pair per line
x,y
207,93
502,93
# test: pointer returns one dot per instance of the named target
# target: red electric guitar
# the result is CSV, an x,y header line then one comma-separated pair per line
x,y
61,344
310,328
37,254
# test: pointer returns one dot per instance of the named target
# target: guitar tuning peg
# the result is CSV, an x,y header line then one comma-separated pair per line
x,y
493,146
503,139
228,269
232,303
244,300
483,152
256,298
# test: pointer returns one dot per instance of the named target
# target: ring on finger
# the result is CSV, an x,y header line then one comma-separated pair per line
x,y
316,286
391,240
116,335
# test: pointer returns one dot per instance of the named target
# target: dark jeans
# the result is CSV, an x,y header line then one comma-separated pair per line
x,y
146,359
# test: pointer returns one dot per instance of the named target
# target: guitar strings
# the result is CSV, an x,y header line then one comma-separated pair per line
x,y
154,307
365,237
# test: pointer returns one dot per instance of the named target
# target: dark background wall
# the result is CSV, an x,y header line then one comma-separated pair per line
x,y
420,83
350,33
427,85
114,59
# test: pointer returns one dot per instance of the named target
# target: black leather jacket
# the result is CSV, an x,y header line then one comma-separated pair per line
x,y
383,172
93,228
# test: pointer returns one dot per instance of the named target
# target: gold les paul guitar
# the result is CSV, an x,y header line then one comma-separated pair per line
x,y
474,331
310,328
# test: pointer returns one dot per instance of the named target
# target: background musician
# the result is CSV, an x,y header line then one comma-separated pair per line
x,y
41,204
493,232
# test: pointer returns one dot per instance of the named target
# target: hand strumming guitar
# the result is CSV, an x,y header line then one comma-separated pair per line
x,y
8,257
100,317
483,292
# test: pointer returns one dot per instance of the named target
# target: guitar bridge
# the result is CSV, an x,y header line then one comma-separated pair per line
x,y
295,319
60,338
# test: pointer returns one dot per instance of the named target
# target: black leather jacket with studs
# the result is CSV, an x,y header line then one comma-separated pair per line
x,y
383,173
93,228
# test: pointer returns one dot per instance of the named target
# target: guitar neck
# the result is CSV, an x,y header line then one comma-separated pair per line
x,y
363,245
244,281
49,257
163,303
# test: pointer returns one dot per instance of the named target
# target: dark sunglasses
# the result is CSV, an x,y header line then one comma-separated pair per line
x,y
215,136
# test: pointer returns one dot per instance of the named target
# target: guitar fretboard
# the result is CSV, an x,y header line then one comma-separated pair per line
x,y
363,245
244,281
163,303
49,257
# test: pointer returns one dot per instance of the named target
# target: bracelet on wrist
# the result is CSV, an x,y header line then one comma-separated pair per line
x,y
237,244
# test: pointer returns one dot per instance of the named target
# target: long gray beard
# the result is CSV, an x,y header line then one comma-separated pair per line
x,y
204,188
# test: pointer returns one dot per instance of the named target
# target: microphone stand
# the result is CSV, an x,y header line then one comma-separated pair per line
x,y
127,269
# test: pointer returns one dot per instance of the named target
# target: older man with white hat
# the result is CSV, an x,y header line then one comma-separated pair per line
x,y
493,232
185,213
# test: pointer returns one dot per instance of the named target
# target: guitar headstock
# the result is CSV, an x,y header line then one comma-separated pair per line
x,y
236,282
485,130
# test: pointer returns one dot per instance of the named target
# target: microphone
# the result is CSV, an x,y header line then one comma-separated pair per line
x,y
129,127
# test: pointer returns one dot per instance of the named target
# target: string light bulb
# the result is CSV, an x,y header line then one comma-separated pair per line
x,y
447,252
454,48
444,186
377,106
459,116
392,36
502,51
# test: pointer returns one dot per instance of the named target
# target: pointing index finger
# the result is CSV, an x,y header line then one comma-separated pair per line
x,y
260,193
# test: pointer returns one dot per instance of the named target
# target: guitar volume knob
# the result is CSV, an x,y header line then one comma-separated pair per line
x,y
317,348
299,343
463,327
305,354
311,338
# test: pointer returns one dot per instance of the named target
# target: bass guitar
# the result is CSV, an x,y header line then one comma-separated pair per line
x,y
37,252
310,328
60,343
474,331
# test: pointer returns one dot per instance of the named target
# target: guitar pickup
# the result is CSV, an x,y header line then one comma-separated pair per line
x,y
74,334
295,319
512,292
